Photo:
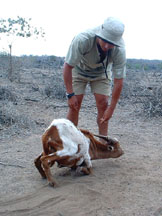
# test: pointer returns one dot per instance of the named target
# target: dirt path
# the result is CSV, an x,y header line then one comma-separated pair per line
x,y
129,185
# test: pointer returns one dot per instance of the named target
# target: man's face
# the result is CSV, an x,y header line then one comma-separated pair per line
x,y
105,46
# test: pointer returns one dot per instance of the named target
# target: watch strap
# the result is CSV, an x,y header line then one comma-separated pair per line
x,y
70,95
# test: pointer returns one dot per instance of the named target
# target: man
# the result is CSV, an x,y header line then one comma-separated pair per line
x,y
91,57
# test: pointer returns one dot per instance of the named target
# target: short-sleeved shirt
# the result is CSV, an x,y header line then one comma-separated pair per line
x,y
84,56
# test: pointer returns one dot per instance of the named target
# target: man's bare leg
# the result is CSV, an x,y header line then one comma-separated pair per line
x,y
73,114
101,103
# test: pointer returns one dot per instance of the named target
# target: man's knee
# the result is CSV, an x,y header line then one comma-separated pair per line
x,y
101,102
102,105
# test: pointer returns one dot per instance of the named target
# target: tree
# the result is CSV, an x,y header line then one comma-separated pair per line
x,y
19,27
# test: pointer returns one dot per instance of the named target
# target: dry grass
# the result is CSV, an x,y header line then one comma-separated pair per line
x,y
143,90
44,84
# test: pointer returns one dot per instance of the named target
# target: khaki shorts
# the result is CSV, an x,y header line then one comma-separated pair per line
x,y
100,85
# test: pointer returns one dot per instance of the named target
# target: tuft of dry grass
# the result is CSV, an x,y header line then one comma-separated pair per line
x,y
143,90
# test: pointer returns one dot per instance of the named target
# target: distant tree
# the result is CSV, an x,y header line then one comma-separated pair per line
x,y
19,27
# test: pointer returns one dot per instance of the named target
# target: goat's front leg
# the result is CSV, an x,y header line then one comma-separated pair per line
x,y
46,162
88,163
83,170
87,168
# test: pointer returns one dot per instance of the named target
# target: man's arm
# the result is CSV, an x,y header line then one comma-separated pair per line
x,y
67,75
118,85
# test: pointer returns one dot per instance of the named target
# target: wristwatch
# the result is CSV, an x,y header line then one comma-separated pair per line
x,y
70,95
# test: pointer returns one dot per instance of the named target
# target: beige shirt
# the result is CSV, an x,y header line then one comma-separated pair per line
x,y
84,56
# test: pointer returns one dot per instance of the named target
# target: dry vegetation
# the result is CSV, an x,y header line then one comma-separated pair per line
x,y
39,79
131,185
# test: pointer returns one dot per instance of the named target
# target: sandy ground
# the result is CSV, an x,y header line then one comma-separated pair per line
x,y
127,186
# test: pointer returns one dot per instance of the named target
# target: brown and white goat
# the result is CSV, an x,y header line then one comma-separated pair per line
x,y
70,147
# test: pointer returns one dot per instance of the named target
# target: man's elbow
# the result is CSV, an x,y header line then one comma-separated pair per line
x,y
118,83
67,66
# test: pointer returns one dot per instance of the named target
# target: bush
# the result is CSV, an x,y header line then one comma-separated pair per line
x,y
6,94
153,105
55,88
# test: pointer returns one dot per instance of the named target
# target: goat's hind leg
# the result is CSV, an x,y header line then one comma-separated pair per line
x,y
38,164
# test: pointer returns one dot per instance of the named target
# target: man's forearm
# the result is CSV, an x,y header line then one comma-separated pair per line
x,y
118,85
67,74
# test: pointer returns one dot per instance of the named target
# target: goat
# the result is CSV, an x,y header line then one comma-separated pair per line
x,y
70,147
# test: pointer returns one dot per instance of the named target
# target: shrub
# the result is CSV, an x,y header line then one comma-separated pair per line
x,y
55,88
153,104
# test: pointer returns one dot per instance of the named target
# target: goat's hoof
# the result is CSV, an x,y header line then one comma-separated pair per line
x,y
90,170
43,176
83,170
53,184
78,170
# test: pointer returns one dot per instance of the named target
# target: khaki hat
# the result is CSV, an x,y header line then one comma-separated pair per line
x,y
111,31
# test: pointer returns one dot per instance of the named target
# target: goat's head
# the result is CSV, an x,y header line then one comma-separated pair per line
x,y
113,146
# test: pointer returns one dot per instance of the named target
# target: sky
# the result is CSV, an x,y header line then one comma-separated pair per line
x,y
63,19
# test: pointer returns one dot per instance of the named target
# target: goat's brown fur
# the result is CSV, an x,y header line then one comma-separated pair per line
x,y
52,143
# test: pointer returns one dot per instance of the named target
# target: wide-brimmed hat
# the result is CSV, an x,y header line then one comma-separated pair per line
x,y
111,31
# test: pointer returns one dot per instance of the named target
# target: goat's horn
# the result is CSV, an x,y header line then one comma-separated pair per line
x,y
101,136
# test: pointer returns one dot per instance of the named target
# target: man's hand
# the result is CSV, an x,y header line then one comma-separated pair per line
x,y
118,85
107,115
73,103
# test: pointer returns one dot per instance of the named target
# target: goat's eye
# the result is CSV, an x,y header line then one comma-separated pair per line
x,y
110,148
